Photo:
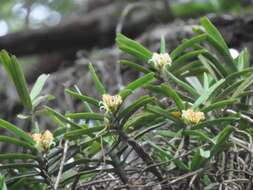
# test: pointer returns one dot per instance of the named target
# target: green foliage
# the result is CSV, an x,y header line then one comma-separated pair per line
x,y
193,113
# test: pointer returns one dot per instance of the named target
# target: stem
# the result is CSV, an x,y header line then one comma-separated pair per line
x,y
141,153
65,150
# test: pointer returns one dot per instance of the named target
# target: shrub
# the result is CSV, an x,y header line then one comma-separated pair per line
x,y
192,129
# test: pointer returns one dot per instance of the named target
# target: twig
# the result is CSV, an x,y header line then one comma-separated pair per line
x,y
61,165
243,116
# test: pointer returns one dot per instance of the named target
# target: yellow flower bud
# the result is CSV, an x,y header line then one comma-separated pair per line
x,y
43,141
111,103
47,139
192,117
176,114
160,60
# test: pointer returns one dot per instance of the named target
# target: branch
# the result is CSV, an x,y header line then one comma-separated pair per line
x,y
65,150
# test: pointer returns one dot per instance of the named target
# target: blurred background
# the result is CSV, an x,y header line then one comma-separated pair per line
x,y
61,36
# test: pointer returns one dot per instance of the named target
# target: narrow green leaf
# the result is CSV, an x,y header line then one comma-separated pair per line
x,y
164,113
243,60
99,86
2,183
220,139
173,94
243,86
17,131
176,161
202,136
77,133
11,140
16,75
212,31
207,95
135,66
182,84
162,45
83,97
133,47
222,121
17,156
61,117
186,44
216,39
219,105
86,115
128,111
185,58
137,83
38,86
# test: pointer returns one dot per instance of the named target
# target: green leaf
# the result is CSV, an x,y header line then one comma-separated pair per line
x,y
11,140
137,84
99,86
222,121
16,75
140,120
128,111
219,105
17,156
206,95
19,165
2,183
133,47
202,136
243,86
61,117
173,94
38,86
77,133
185,58
182,84
135,66
212,31
17,131
84,98
86,115
216,39
217,65
176,161
164,113
243,60
209,66
186,44
162,45
220,139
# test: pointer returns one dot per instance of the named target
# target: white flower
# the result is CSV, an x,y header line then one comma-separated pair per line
x,y
111,103
193,117
160,60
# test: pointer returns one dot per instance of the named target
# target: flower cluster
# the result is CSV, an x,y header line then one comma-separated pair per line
x,y
111,103
160,60
192,117
43,141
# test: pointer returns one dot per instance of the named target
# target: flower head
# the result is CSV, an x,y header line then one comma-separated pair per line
x,y
43,141
160,60
111,103
192,117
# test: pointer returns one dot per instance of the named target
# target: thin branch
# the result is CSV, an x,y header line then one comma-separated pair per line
x,y
243,116
65,150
